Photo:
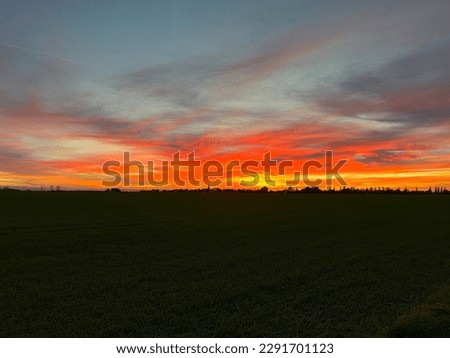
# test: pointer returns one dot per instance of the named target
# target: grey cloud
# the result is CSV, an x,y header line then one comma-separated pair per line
x,y
424,67
386,157
182,84
23,75
411,90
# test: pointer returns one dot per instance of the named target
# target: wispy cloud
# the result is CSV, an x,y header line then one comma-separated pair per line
x,y
411,90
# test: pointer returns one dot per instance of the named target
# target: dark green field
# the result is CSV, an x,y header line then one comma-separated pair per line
x,y
223,264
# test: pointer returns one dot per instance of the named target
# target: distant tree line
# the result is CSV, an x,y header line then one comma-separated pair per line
x,y
441,190
315,190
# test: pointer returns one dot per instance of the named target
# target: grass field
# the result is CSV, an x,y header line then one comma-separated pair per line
x,y
99,264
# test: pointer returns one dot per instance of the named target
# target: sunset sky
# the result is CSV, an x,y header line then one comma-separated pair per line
x,y
81,82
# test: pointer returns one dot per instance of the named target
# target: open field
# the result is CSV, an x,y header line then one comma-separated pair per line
x,y
100,264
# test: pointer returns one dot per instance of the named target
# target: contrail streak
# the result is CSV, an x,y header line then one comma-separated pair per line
x,y
62,58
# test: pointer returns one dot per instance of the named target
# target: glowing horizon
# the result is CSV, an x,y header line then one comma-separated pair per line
x,y
82,83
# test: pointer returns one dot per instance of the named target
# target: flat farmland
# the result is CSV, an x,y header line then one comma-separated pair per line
x,y
224,264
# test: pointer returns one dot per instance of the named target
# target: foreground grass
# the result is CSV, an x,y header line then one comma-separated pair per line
x,y
219,264
428,319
